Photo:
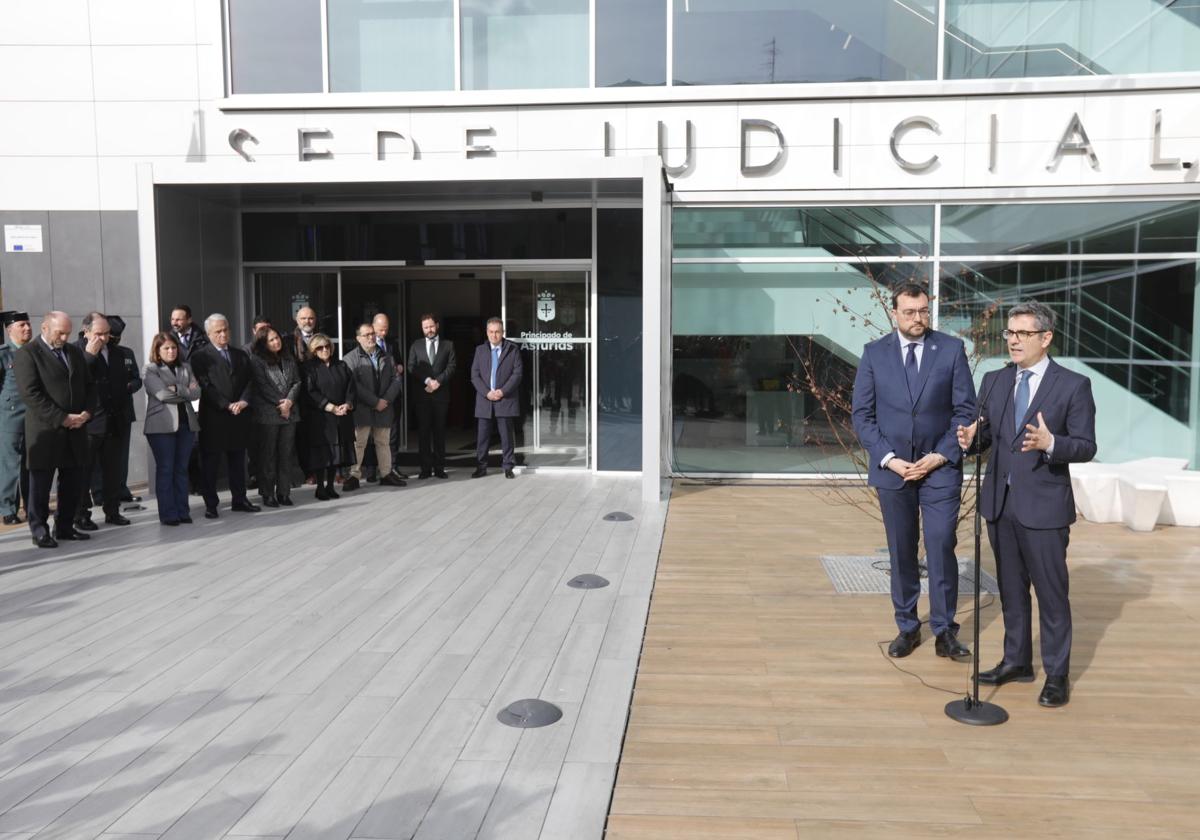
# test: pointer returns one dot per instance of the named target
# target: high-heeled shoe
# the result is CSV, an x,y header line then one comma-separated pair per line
x,y
322,494
270,501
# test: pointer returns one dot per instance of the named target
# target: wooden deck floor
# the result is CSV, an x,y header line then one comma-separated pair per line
x,y
328,671
764,707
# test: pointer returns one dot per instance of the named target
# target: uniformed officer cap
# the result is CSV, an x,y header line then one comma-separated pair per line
x,y
12,317
116,324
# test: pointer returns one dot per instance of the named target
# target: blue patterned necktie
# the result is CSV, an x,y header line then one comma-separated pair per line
x,y
910,369
1022,402
495,365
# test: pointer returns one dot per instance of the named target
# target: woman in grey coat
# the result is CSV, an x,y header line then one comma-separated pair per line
x,y
170,425
275,387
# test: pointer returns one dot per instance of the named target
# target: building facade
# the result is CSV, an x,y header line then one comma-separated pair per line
x,y
685,210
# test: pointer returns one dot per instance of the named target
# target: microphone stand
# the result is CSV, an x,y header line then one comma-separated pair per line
x,y
971,710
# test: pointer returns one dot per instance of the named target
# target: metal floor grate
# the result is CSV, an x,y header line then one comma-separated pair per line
x,y
858,575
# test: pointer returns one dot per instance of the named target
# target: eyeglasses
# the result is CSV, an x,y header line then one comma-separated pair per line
x,y
1024,335
914,313
324,348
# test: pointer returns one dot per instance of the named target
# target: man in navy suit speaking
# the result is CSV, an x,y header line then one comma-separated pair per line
x,y
912,391
1038,417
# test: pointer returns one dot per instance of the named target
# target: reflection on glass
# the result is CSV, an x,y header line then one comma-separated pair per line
x,y
631,43
803,231
1139,227
532,44
764,361
770,41
1003,39
1130,327
619,339
391,45
275,46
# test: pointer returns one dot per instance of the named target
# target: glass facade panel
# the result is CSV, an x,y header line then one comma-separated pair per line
x,y
391,45
769,41
619,339
532,44
1128,326
764,358
1142,227
275,46
1011,38
803,231
631,43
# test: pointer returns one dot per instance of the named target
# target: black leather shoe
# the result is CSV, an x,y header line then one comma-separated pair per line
x,y
333,494
401,473
45,541
12,519
286,501
172,522
421,476
1056,692
350,484
130,499
480,472
245,507
185,520
392,480
72,535
269,501
948,645
86,525
904,644
116,519
211,513
1005,673
440,474
509,474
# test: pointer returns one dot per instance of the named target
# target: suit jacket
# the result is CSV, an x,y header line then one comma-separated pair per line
x,y
508,379
887,418
1038,487
441,368
162,412
133,381
265,392
114,403
12,408
196,340
220,386
372,384
299,347
51,392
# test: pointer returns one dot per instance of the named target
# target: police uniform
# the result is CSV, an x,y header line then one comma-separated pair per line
x,y
14,478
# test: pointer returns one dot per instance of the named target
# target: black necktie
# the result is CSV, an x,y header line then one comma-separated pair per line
x,y
225,356
62,357
910,369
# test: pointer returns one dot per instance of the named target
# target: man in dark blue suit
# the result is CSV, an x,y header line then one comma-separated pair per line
x,y
1038,417
496,373
912,390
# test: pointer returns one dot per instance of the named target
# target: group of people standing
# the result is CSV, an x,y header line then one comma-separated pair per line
x,y
283,405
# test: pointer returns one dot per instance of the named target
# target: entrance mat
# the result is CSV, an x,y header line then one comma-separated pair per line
x,y
857,574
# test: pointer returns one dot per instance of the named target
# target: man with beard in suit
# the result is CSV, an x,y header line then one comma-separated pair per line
x,y
431,364
57,389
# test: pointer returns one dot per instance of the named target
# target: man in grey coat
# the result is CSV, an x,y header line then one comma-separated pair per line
x,y
496,375
376,386
14,477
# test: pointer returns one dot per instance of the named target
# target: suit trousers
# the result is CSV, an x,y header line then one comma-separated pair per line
x,y
96,482
431,430
483,438
276,448
172,450
1038,556
14,477
935,511
235,463
104,452
380,439
70,484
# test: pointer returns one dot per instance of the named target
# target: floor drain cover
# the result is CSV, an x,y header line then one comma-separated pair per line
x,y
529,714
617,516
587,582
859,574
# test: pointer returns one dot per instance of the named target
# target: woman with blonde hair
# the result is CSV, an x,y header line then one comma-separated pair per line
x,y
329,416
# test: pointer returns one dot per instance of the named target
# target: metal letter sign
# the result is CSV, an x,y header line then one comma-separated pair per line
x,y
780,147
545,306
900,129
305,136
1082,146
238,138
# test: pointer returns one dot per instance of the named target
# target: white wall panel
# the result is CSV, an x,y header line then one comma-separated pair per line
x,y
45,73
145,129
117,183
143,21
42,22
47,183
140,73
46,128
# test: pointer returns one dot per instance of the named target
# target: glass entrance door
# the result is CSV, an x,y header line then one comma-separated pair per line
x,y
547,314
